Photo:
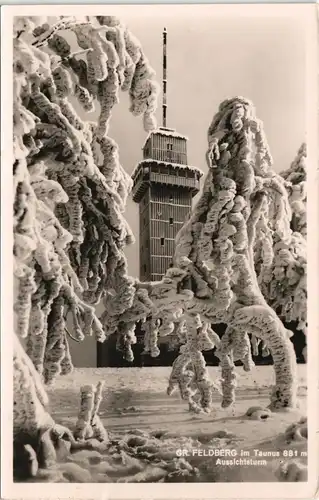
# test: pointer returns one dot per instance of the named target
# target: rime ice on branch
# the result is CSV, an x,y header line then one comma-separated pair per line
x,y
151,301
69,190
295,178
242,196
189,371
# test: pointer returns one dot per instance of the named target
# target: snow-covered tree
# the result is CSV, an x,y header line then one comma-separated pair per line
x,y
69,197
280,265
242,196
283,278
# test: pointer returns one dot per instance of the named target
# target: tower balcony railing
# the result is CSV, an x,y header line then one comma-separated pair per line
x,y
175,176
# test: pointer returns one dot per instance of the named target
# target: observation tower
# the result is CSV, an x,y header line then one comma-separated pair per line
x,y
163,186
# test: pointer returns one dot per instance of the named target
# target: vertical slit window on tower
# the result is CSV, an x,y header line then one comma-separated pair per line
x,y
162,241
171,221
169,151
171,198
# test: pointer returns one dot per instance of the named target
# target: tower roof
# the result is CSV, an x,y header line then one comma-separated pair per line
x,y
169,132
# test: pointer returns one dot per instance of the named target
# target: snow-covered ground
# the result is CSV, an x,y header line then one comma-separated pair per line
x,y
148,429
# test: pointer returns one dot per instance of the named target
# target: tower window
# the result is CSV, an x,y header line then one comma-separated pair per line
x,y
171,221
144,267
170,147
162,241
171,198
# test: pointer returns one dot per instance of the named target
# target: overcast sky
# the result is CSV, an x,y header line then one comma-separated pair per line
x,y
210,59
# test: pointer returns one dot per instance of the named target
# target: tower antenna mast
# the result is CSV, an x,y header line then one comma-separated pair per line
x,y
164,76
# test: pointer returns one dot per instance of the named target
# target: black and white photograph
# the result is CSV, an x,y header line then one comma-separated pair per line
x,y
160,189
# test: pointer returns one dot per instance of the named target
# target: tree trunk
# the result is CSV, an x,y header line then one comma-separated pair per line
x,y
37,439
